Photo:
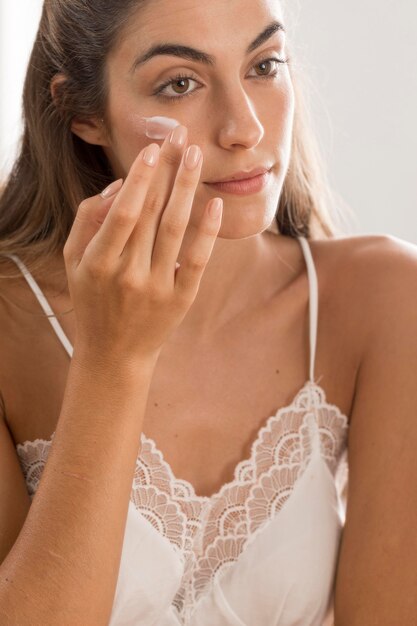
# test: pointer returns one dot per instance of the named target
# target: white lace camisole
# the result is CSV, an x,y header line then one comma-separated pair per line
x,y
263,550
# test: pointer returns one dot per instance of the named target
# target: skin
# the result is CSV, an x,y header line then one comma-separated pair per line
x,y
239,119
376,575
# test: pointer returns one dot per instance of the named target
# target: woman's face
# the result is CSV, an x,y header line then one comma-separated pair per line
x,y
238,108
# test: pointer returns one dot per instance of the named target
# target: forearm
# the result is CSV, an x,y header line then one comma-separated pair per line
x,y
64,565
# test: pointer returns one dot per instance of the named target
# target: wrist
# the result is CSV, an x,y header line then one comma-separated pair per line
x,y
100,360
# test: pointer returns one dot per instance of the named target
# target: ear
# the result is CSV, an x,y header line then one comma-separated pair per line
x,y
92,129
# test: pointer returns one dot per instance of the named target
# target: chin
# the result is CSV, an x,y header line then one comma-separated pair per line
x,y
243,228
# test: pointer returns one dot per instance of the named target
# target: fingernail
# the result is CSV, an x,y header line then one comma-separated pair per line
x,y
178,136
151,154
215,208
192,157
112,189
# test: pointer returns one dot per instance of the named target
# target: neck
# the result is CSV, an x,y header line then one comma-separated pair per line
x,y
241,275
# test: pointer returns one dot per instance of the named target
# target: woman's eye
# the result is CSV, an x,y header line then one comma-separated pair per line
x,y
182,81
267,63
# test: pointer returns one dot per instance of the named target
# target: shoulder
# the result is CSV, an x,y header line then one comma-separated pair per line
x,y
382,508
374,275
386,278
385,256
379,252
390,280
10,285
48,272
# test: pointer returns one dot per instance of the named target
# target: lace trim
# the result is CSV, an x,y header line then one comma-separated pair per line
x,y
209,533
33,456
216,529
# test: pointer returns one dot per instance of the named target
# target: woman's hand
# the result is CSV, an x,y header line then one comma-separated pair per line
x,y
121,254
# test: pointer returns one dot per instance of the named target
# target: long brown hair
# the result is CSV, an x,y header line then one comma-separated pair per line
x,y
55,169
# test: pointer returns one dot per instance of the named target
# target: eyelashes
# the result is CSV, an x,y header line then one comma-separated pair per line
x,y
184,77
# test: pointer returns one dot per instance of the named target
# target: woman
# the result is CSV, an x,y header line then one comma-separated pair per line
x,y
144,481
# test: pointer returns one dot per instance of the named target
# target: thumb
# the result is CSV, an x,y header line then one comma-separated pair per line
x,y
90,216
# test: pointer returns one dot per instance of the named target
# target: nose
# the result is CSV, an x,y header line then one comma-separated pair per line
x,y
239,124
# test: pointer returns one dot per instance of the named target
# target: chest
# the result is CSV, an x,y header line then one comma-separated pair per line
x,y
207,404
207,401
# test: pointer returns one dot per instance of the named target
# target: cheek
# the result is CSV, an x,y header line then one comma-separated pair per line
x,y
137,131
285,117
289,97
276,111
155,128
158,127
285,104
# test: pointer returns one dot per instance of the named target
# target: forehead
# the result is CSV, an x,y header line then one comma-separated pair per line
x,y
209,23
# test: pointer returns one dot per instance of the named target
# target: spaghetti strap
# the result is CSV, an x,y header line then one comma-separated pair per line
x,y
313,301
44,303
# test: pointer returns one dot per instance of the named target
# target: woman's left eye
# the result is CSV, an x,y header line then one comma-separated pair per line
x,y
185,79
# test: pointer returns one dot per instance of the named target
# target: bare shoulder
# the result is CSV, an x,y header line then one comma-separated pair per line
x,y
13,294
375,274
11,277
389,284
385,256
50,277
381,251
376,575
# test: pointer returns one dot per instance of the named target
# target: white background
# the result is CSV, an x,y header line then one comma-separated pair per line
x,y
18,24
360,58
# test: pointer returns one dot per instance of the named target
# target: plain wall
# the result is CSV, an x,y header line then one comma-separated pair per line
x,y
360,60
18,24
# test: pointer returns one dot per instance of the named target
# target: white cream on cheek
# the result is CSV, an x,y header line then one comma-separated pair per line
x,y
158,127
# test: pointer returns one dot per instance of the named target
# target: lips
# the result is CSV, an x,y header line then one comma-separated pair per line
x,y
242,187
242,175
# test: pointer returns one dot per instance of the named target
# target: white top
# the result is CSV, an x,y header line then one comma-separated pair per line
x,y
263,550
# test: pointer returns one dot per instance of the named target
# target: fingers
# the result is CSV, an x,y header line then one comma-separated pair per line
x,y
189,275
127,207
176,216
141,243
145,222
89,218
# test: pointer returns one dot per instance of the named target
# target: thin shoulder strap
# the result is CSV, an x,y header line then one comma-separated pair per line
x,y
313,301
44,303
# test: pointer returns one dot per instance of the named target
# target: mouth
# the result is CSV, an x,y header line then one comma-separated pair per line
x,y
242,175
243,183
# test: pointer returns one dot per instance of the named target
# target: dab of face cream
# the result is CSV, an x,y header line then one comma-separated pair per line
x,y
159,127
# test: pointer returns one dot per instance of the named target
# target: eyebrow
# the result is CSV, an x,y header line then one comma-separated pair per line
x,y
193,54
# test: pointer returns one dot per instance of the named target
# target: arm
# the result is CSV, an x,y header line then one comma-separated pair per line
x,y
64,565
377,572
128,298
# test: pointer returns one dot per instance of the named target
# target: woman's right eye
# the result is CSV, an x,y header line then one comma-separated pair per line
x,y
179,78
